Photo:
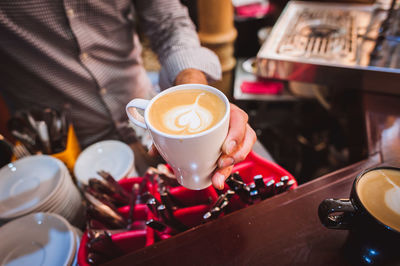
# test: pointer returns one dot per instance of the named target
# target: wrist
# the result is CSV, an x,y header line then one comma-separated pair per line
x,y
190,75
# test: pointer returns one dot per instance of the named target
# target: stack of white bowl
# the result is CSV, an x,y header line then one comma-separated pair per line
x,y
39,239
39,183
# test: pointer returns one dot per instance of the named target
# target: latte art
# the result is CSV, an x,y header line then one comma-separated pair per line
x,y
188,118
186,112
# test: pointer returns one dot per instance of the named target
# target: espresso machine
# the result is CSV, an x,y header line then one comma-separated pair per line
x,y
338,45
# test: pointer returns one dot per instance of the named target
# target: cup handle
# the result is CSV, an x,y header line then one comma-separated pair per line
x,y
344,209
133,114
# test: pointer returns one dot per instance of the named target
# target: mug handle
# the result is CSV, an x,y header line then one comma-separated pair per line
x,y
134,116
339,221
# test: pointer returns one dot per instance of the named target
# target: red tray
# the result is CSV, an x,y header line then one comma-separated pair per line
x,y
256,165
192,205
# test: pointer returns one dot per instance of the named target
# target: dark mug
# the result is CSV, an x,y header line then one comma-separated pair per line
x,y
372,216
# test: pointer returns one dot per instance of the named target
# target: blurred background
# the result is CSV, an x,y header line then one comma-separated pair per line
x,y
309,129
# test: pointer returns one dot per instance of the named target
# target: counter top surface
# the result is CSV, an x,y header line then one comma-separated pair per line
x,y
285,229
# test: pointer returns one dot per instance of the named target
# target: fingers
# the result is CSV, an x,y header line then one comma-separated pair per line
x,y
225,162
236,133
242,150
247,144
219,177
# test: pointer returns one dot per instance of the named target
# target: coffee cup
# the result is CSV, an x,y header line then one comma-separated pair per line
x,y
372,216
188,124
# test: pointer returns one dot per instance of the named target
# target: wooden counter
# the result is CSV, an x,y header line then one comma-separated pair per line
x,y
285,229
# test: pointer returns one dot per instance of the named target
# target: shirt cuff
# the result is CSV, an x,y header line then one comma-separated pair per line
x,y
201,58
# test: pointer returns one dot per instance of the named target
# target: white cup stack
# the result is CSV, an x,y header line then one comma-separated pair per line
x,y
39,239
39,183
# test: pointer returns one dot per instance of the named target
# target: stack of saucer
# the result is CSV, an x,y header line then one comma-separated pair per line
x,y
39,183
39,239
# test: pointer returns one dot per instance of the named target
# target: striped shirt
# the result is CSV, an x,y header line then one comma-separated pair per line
x,y
86,54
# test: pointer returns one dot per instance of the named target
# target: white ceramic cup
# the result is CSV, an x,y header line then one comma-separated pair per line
x,y
193,158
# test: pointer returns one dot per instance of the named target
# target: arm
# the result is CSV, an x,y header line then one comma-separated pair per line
x,y
174,38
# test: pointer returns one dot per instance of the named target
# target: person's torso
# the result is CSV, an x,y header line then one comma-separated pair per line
x,y
83,53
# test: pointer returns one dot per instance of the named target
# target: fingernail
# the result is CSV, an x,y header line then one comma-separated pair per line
x,y
230,147
220,179
226,162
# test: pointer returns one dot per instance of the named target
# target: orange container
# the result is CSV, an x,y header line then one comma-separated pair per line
x,y
72,150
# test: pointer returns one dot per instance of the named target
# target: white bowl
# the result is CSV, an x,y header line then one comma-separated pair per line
x,y
112,156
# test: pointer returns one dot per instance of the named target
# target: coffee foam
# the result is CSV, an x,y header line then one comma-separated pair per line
x,y
186,112
191,118
379,192
392,196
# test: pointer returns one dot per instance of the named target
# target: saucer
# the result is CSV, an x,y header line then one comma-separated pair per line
x,y
37,239
38,183
27,183
112,156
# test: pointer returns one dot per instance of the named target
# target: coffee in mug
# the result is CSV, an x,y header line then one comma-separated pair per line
x,y
372,216
188,124
186,112
379,192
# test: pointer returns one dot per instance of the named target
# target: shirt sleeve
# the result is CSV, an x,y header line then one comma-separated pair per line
x,y
174,38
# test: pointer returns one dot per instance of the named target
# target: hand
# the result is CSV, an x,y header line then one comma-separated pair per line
x,y
238,143
241,136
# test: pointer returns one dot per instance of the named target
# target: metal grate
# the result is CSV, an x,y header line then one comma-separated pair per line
x,y
325,34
